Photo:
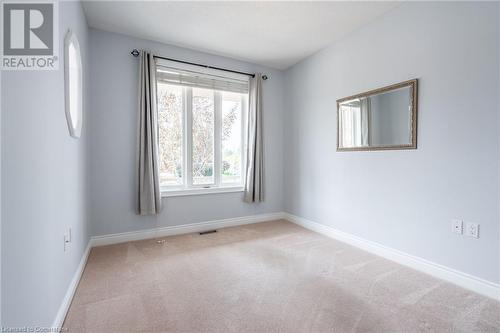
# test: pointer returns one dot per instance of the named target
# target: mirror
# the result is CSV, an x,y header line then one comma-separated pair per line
x,y
379,119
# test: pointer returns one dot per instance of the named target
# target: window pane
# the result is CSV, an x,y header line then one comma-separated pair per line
x,y
170,135
203,136
74,78
74,85
231,138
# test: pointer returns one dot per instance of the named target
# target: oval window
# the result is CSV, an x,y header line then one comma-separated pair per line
x,y
73,84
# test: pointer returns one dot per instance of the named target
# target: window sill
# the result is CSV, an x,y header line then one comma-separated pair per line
x,y
200,191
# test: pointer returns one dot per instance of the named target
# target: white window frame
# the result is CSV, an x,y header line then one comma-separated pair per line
x,y
187,187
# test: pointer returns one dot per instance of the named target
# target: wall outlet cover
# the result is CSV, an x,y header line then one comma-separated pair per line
x,y
472,230
457,226
67,239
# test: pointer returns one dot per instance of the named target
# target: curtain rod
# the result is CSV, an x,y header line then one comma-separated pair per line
x,y
135,53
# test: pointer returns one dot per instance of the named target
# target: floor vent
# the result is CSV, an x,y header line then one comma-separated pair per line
x,y
208,232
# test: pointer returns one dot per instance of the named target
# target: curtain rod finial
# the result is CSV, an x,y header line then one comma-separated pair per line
x,y
135,53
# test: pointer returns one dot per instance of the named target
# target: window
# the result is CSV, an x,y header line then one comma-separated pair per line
x,y
73,84
201,119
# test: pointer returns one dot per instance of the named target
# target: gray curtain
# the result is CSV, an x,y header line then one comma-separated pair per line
x,y
148,182
254,181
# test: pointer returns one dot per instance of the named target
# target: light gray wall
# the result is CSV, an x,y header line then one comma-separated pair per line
x,y
405,199
113,95
43,187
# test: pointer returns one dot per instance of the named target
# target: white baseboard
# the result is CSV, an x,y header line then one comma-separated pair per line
x,y
182,229
461,279
63,309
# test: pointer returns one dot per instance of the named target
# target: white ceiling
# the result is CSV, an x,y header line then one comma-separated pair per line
x,y
274,34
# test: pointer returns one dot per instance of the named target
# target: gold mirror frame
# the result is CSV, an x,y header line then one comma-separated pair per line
x,y
413,84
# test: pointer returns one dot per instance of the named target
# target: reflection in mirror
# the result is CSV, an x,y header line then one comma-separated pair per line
x,y
380,119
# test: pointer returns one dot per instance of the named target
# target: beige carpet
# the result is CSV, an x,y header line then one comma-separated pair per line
x,y
267,277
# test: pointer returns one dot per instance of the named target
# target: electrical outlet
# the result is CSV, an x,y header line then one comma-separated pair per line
x,y
472,230
457,226
67,239
66,242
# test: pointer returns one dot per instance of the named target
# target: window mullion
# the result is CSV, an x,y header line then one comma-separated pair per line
x,y
188,137
217,137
